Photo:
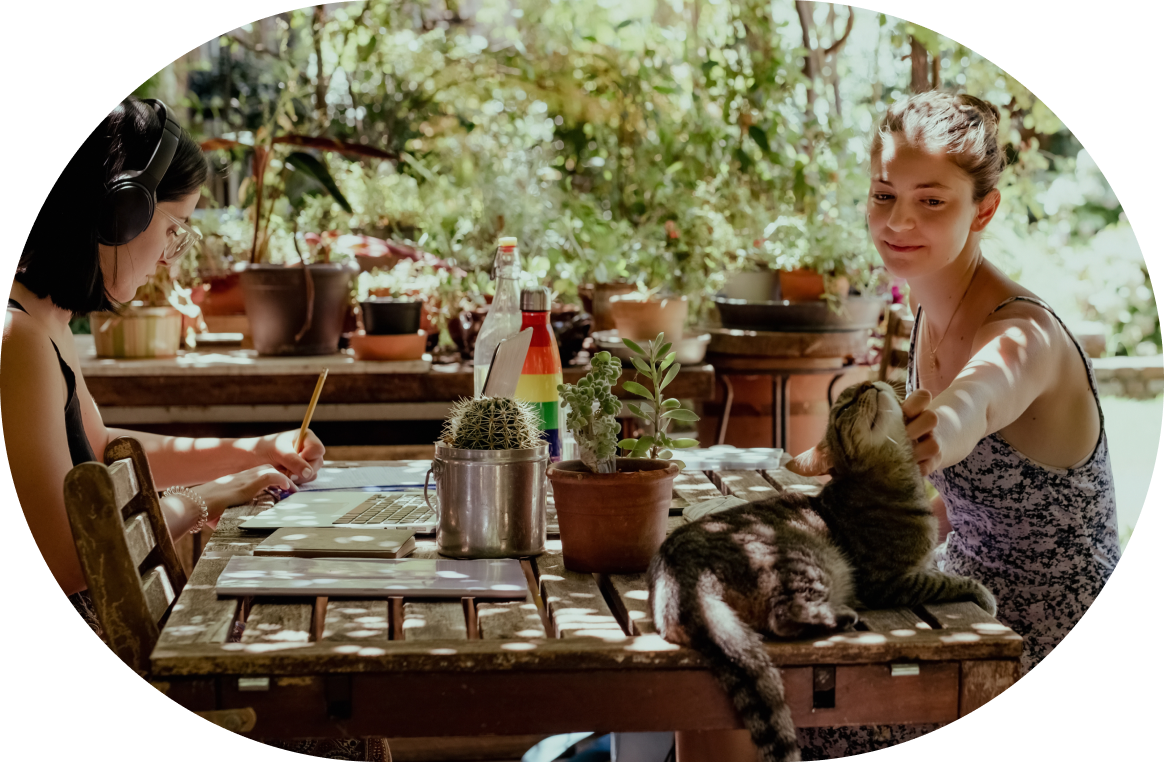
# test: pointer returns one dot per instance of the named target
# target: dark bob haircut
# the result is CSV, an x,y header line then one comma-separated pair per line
x,y
60,259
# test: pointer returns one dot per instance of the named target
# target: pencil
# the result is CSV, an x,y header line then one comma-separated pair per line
x,y
310,410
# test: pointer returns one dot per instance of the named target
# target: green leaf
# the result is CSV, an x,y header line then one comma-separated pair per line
x,y
673,169
628,444
757,134
634,408
663,350
680,463
639,389
626,23
665,454
643,445
671,404
642,367
312,167
671,373
634,347
667,361
680,444
681,415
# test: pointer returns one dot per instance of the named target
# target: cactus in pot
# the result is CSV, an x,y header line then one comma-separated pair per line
x,y
492,423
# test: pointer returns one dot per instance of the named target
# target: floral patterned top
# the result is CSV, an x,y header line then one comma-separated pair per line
x,y
1043,539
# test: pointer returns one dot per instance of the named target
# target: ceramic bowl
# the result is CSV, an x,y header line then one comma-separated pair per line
x,y
405,346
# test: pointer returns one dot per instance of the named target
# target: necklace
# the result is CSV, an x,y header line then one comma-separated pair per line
x,y
936,347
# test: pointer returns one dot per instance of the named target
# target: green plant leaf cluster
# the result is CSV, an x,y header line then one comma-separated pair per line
x,y
591,410
657,363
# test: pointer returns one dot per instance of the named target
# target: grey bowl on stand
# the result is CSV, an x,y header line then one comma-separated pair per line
x,y
856,313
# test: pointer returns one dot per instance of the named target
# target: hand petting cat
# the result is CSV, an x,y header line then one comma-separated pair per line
x,y
920,422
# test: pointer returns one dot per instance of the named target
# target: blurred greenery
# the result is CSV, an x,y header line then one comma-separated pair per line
x,y
671,143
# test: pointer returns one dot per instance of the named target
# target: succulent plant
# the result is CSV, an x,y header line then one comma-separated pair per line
x,y
657,363
591,410
492,423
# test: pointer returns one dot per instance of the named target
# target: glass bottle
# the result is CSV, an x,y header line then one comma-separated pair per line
x,y
504,317
542,371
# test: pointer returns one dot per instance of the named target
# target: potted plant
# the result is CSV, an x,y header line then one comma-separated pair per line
x,y
297,309
644,313
388,306
151,325
490,471
612,512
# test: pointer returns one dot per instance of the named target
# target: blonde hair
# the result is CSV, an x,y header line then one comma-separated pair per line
x,y
963,126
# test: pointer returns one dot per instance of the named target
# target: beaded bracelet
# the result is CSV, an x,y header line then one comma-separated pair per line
x,y
198,502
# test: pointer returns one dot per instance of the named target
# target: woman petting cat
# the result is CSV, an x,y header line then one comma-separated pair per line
x,y
1002,406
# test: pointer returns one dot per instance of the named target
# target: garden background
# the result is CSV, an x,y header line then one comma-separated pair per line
x,y
669,143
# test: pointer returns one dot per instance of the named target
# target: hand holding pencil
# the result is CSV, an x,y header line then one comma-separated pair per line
x,y
297,453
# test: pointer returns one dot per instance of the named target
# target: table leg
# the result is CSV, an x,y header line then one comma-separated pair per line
x,y
729,395
714,746
781,410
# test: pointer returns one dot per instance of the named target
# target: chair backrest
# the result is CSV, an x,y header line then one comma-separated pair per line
x,y
894,360
126,553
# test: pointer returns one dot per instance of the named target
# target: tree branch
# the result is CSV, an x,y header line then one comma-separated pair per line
x,y
836,46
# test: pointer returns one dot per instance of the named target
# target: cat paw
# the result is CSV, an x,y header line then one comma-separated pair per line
x,y
985,599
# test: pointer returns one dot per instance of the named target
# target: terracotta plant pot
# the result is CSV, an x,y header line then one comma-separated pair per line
x,y
224,295
596,301
801,285
612,523
276,298
637,319
138,331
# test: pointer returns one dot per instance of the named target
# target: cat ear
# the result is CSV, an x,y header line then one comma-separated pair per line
x,y
814,462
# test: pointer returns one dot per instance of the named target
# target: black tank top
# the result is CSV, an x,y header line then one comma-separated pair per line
x,y
79,448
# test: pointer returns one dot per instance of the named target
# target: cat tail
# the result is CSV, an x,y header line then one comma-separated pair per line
x,y
743,668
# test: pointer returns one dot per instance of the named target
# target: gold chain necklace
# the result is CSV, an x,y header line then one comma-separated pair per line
x,y
936,347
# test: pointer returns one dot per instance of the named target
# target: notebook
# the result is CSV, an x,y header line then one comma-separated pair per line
x,y
369,478
333,542
338,578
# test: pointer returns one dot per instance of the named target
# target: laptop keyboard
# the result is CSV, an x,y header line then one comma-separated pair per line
x,y
390,509
409,509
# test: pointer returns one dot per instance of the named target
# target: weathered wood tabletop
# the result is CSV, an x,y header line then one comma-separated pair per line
x,y
578,653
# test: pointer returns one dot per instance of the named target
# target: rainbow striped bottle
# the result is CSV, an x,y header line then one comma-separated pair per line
x,y
542,371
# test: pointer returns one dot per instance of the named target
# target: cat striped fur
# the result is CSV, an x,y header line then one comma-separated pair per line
x,y
797,565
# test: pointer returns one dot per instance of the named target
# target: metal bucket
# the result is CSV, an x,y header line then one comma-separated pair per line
x,y
491,503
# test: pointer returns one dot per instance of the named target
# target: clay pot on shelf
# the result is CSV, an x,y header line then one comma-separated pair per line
x,y
756,286
596,300
277,307
386,316
801,285
644,319
612,523
139,331
392,347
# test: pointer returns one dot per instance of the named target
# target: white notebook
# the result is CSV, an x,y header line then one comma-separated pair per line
x,y
413,577
374,478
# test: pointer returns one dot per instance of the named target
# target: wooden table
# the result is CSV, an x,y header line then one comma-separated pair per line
x,y
237,385
579,653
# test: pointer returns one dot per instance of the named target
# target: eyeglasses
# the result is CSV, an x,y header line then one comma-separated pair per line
x,y
179,241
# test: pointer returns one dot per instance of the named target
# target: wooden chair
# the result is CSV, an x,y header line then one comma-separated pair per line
x,y
898,327
126,553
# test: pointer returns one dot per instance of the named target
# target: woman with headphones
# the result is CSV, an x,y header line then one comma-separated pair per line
x,y
121,207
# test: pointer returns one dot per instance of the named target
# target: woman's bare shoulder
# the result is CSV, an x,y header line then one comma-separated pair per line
x,y
27,347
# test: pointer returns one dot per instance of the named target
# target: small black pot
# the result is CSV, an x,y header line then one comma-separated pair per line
x,y
390,317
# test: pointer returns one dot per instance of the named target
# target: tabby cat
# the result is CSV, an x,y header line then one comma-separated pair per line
x,y
795,565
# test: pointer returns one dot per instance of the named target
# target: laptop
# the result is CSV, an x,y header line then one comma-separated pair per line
x,y
350,510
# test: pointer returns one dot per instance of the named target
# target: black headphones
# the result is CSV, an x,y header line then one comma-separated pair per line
x,y
130,197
